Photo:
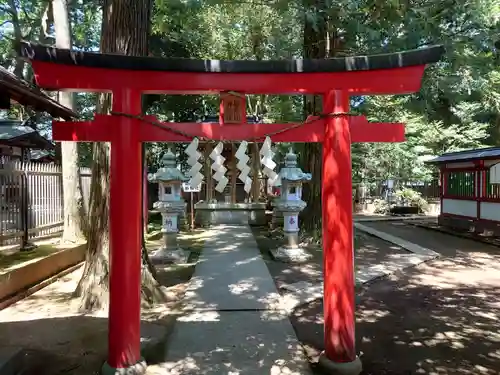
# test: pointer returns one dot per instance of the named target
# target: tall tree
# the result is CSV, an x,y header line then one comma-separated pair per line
x,y
125,30
315,47
72,193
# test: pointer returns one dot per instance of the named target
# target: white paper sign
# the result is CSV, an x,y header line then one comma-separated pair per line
x,y
187,188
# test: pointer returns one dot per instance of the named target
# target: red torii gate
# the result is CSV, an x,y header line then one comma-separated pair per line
x,y
129,77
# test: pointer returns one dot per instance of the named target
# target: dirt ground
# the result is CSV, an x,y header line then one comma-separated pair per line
x,y
370,250
56,340
439,318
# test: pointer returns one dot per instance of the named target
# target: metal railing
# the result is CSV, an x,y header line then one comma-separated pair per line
x,y
31,200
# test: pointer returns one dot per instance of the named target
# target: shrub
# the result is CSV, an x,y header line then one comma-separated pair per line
x,y
381,206
411,197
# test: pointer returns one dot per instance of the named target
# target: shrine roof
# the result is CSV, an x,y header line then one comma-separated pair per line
x,y
467,155
14,89
18,134
41,155
408,58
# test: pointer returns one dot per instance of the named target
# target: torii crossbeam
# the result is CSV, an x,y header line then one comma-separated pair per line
x,y
129,77
105,128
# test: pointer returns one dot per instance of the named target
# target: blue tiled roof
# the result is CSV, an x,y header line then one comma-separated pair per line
x,y
457,156
10,129
20,134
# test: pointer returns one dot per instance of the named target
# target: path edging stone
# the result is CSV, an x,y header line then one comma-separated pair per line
x,y
306,292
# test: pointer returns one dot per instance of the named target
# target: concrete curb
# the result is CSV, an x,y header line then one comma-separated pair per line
x,y
410,246
361,219
24,293
305,292
455,234
29,274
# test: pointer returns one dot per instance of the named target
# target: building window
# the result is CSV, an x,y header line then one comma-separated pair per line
x,y
168,190
492,190
460,184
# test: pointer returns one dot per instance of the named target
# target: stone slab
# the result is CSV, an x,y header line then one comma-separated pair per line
x,y
228,214
234,343
229,237
231,274
410,246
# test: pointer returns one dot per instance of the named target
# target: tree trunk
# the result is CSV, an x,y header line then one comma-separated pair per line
x,y
72,193
315,46
125,30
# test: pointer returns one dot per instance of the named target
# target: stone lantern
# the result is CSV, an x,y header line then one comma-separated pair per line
x,y
171,205
290,204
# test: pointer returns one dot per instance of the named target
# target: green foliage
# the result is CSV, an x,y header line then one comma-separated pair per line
x,y
381,206
404,197
410,197
458,106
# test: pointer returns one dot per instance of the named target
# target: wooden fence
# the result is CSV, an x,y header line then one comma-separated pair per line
x,y
31,200
378,189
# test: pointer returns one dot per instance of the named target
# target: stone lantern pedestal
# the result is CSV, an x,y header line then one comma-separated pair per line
x,y
289,205
170,252
172,207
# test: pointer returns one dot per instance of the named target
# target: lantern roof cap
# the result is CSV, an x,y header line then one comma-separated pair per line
x,y
169,171
290,172
290,159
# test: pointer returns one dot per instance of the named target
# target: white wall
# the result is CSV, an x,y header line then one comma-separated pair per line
x,y
460,207
490,211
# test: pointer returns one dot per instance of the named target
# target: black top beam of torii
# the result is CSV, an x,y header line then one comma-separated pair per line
x,y
420,56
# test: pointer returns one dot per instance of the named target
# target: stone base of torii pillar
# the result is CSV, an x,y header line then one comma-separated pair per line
x,y
340,368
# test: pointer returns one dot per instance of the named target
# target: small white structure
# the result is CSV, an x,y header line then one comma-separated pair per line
x,y
171,205
290,204
495,174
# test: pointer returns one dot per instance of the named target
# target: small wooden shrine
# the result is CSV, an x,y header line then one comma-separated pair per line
x,y
470,189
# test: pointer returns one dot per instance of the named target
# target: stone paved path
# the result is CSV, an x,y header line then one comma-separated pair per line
x,y
231,324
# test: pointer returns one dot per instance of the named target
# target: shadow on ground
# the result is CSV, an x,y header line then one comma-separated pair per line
x,y
368,251
427,321
50,338
62,355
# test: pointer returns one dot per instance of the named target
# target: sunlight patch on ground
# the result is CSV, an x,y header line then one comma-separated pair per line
x,y
466,270
371,316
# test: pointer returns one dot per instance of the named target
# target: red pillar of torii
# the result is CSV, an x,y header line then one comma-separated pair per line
x,y
129,77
